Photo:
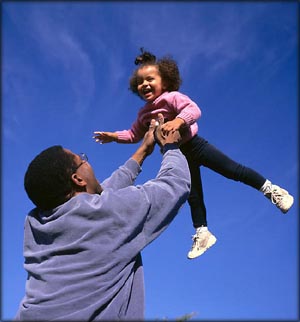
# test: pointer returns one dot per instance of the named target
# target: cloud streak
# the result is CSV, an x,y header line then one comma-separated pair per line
x,y
214,35
53,40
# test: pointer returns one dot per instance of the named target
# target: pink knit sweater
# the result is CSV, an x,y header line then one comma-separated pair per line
x,y
171,105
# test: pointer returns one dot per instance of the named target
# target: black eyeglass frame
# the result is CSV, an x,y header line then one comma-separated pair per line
x,y
84,159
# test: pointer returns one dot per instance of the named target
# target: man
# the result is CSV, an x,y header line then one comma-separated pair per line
x,y
83,240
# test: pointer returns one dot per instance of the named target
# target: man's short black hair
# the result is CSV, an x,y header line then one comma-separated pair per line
x,y
48,177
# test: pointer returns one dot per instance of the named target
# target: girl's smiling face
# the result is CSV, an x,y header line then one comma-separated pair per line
x,y
149,83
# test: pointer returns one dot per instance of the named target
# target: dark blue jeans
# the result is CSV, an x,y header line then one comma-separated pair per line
x,y
199,152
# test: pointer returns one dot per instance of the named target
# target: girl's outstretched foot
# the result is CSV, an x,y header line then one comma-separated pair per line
x,y
278,196
202,240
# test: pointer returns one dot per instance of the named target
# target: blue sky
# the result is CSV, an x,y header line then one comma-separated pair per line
x,y
65,72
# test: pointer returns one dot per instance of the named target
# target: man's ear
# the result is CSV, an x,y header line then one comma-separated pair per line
x,y
78,181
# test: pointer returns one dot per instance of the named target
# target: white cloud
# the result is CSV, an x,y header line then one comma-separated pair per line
x,y
58,46
215,35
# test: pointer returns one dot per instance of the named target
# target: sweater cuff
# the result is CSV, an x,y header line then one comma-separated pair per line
x,y
169,146
125,136
187,117
133,167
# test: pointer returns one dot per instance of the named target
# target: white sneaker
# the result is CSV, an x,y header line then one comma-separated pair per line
x,y
202,240
279,197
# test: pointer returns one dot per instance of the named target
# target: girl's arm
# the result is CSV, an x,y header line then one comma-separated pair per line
x,y
105,137
188,112
125,136
133,135
186,108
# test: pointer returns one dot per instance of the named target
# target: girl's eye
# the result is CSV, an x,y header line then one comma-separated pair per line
x,y
139,80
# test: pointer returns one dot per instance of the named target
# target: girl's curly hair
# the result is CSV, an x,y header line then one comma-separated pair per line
x,y
167,67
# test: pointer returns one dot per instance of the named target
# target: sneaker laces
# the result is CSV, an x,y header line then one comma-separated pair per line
x,y
196,239
276,195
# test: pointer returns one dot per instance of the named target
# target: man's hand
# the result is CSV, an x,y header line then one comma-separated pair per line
x,y
162,137
147,146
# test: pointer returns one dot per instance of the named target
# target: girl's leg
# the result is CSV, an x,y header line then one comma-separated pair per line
x,y
196,200
214,159
202,239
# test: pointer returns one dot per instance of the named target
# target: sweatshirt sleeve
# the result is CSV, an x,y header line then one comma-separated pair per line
x,y
123,177
166,193
143,212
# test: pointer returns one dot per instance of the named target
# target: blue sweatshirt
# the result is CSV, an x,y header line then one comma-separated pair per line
x,y
83,258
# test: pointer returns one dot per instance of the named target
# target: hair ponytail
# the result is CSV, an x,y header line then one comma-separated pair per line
x,y
144,58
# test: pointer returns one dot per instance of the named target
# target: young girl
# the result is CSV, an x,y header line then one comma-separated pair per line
x,y
157,82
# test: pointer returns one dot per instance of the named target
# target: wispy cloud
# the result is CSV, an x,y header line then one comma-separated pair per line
x,y
57,45
18,93
213,35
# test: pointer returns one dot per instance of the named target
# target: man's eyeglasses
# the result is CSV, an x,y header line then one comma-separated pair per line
x,y
84,158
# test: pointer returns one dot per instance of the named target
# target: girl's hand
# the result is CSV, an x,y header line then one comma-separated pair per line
x,y
105,137
172,126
